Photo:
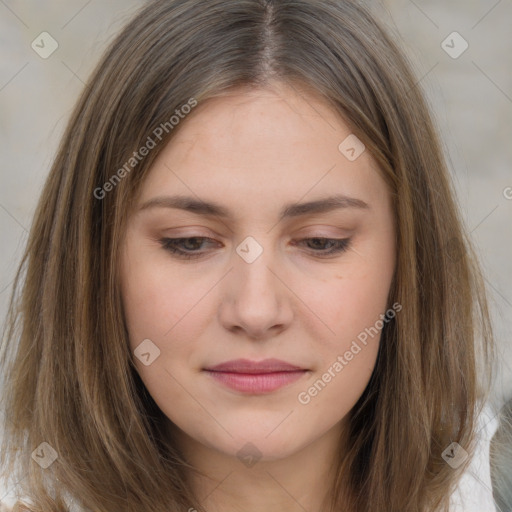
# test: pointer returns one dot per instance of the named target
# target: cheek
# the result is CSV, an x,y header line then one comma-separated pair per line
x,y
346,358
158,306
353,311
350,301
157,301
351,304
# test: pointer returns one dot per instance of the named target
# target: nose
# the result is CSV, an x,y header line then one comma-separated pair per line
x,y
255,299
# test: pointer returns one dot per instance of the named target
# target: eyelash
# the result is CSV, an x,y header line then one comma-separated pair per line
x,y
170,244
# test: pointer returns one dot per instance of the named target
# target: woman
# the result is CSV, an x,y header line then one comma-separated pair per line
x,y
247,273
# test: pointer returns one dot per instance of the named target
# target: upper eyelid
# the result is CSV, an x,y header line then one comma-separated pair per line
x,y
209,238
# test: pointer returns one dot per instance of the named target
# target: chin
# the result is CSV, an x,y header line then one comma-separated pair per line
x,y
259,443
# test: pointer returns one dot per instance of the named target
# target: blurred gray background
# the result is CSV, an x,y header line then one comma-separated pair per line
x,y
469,89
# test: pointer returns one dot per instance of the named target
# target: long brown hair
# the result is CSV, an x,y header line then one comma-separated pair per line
x,y
68,369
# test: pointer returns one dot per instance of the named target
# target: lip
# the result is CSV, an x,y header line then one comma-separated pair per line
x,y
256,377
255,367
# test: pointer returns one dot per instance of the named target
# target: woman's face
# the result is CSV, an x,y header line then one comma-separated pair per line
x,y
290,234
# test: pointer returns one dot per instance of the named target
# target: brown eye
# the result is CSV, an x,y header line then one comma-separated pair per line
x,y
326,246
186,247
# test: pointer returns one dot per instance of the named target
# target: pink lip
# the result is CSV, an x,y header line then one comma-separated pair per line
x,y
256,377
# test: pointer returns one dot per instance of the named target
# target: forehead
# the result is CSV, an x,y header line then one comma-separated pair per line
x,y
256,119
277,143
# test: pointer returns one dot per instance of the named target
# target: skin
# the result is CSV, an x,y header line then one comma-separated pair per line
x,y
253,151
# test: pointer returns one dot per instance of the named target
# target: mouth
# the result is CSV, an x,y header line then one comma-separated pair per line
x,y
256,377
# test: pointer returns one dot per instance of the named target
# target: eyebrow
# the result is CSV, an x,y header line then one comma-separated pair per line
x,y
210,208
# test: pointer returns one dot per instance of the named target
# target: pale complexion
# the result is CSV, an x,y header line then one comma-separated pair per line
x,y
253,152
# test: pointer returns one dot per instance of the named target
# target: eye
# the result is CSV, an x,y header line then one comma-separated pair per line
x,y
189,247
186,248
326,246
